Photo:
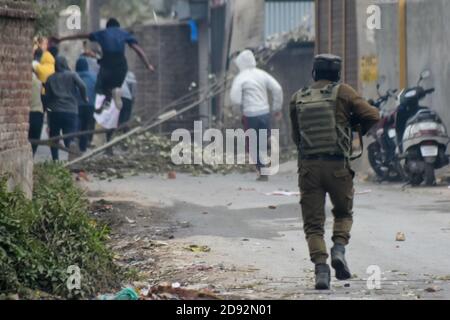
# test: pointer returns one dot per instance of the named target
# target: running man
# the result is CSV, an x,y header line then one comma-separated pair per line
x,y
113,64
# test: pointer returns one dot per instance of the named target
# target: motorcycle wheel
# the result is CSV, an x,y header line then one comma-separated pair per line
x,y
375,160
430,177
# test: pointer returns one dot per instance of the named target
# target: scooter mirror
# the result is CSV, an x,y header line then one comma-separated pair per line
x,y
425,74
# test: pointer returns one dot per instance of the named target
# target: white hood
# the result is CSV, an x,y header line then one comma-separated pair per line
x,y
251,87
246,60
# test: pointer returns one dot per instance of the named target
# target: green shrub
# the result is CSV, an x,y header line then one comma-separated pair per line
x,y
40,239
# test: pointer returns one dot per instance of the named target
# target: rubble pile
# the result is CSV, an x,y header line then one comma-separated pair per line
x,y
150,153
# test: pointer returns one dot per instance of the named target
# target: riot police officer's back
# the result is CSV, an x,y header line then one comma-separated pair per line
x,y
322,118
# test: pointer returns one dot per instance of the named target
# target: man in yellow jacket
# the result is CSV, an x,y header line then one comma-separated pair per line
x,y
44,69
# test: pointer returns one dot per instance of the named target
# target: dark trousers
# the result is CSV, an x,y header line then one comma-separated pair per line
x,y
35,131
65,123
44,102
86,122
258,123
112,74
316,179
126,112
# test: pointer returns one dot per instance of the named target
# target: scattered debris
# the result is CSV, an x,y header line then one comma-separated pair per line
x,y
360,193
172,175
433,289
168,292
198,249
443,278
246,189
149,153
185,224
82,176
125,294
400,237
130,221
100,207
284,194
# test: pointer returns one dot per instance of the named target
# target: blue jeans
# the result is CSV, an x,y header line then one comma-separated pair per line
x,y
64,122
258,123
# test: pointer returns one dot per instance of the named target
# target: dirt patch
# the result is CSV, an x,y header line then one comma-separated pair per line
x,y
129,219
142,239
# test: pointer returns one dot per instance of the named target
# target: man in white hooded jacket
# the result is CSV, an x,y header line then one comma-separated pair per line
x,y
250,91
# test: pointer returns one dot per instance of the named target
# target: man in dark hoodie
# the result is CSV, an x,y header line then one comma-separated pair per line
x,y
86,110
113,64
61,89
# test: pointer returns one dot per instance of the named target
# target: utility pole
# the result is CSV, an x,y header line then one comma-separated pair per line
x,y
204,47
93,14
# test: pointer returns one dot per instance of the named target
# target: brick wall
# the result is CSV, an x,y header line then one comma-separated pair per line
x,y
169,48
16,32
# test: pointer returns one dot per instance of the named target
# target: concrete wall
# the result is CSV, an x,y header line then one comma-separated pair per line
x,y
428,42
248,24
16,33
175,57
428,47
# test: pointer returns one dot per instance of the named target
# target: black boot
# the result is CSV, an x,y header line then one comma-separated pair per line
x,y
339,263
323,277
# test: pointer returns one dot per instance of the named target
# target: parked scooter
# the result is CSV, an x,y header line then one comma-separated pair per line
x,y
381,152
425,138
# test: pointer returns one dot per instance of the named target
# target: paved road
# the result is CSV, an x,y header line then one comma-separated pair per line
x,y
231,215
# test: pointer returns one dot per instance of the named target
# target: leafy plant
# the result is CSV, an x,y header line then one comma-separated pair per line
x,y
40,239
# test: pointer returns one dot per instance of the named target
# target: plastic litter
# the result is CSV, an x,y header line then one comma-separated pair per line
x,y
125,294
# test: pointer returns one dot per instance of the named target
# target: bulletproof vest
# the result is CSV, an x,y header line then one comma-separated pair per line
x,y
320,133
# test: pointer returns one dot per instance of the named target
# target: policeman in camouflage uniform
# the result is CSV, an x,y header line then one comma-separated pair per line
x,y
322,117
